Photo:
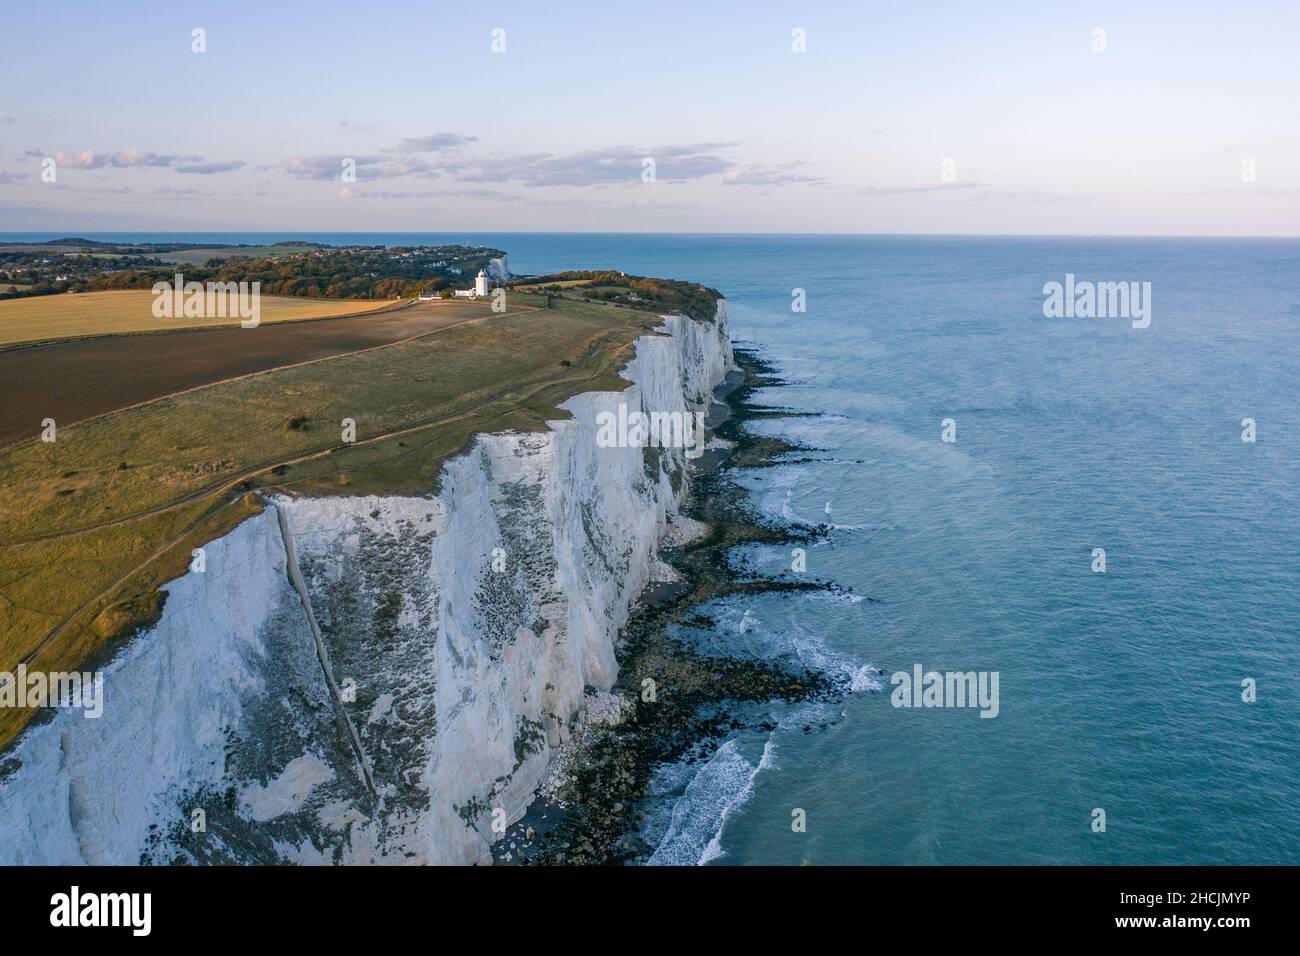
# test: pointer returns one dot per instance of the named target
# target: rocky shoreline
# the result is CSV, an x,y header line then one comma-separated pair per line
x,y
671,702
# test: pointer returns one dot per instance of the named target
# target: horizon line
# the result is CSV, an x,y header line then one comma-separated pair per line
x,y
74,233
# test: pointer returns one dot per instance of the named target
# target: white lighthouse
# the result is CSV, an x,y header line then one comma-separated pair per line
x,y
481,283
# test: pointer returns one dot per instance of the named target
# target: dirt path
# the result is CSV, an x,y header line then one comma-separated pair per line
x,y
72,381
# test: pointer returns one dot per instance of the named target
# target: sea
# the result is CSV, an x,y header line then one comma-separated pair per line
x,y
1102,515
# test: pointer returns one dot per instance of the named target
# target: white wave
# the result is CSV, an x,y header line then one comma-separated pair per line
x,y
721,787
714,849
788,513
864,679
837,597
813,654
738,630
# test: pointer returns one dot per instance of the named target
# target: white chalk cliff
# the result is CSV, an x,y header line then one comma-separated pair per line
x,y
442,651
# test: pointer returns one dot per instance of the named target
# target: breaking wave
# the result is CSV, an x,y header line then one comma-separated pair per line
x,y
700,815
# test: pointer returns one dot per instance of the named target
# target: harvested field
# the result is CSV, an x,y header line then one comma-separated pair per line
x,y
75,380
45,317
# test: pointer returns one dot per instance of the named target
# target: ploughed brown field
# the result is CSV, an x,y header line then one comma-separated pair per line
x,y
75,380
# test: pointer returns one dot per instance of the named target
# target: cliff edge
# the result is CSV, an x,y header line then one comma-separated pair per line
x,y
396,697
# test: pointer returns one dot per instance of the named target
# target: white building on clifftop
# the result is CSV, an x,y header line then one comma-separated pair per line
x,y
480,290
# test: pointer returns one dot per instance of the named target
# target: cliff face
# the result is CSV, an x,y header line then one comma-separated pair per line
x,y
414,697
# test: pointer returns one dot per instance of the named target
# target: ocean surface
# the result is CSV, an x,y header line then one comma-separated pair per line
x,y
1119,691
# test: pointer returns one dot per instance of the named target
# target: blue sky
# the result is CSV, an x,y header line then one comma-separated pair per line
x,y
917,117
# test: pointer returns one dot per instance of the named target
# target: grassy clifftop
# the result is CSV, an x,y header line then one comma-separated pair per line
x,y
636,292
94,523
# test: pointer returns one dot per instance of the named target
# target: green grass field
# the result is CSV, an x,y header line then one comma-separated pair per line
x,y
94,523
45,317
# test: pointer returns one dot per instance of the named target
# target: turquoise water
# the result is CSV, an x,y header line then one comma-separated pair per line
x,y
1120,691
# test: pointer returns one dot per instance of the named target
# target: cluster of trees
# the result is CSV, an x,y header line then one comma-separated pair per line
x,y
361,272
45,272
640,292
74,244
345,273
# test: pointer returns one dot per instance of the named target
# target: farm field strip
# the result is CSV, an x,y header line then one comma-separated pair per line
x,y
115,373
51,318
